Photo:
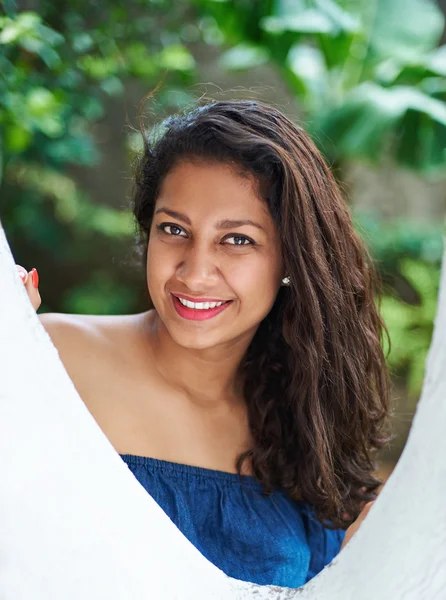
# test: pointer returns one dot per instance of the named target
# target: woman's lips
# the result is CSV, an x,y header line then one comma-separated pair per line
x,y
195,314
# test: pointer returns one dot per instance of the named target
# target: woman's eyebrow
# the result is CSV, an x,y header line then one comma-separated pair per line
x,y
175,215
224,224
229,224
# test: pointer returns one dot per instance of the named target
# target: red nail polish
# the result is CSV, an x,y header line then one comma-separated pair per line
x,y
35,277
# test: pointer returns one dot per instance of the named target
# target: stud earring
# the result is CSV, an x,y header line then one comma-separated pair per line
x,y
286,281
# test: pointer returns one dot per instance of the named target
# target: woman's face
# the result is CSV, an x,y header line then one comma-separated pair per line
x,y
212,240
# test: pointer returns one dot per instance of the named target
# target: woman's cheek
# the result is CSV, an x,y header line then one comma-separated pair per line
x,y
257,289
158,272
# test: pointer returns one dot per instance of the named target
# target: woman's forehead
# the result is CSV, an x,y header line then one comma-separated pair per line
x,y
212,189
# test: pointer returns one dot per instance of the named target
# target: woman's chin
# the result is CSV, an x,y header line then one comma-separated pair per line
x,y
195,340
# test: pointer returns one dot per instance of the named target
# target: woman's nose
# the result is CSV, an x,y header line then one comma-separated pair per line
x,y
197,269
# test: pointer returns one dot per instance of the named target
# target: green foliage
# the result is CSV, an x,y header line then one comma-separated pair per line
x,y
368,75
99,295
411,325
70,205
244,56
55,81
408,257
391,241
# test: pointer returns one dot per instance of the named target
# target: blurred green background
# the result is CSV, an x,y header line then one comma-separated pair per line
x,y
366,78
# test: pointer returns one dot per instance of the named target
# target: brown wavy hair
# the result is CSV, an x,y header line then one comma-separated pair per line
x,y
315,378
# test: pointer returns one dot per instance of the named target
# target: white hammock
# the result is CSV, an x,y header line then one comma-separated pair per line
x,y
76,525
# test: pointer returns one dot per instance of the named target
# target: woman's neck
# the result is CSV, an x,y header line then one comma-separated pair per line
x,y
208,377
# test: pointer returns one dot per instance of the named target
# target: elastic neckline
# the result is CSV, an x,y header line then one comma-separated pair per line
x,y
183,469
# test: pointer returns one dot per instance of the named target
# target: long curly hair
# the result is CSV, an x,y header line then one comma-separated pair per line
x,y
315,378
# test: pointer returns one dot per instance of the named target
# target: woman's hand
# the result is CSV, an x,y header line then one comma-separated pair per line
x,y
31,282
355,525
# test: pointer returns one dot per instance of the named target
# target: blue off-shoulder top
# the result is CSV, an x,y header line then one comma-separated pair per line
x,y
269,540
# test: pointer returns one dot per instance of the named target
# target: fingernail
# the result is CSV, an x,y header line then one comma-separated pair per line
x,y
22,275
35,278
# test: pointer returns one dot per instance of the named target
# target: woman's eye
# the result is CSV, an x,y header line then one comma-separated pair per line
x,y
239,240
171,229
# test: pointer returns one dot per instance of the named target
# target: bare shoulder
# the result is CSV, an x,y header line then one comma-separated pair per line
x,y
70,333
92,347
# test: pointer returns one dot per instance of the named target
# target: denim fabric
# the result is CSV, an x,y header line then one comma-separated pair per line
x,y
266,540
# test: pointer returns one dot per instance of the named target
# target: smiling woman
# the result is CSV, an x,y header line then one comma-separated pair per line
x,y
250,401
220,245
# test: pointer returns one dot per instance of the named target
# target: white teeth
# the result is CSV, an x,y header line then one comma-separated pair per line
x,y
200,305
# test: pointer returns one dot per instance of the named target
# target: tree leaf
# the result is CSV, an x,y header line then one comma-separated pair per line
x,y
17,138
345,21
405,28
326,17
41,102
10,7
370,114
13,29
307,21
413,70
243,56
422,144
176,58
287,8
308,66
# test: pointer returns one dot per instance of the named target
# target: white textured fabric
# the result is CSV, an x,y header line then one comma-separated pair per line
x,y
75,524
